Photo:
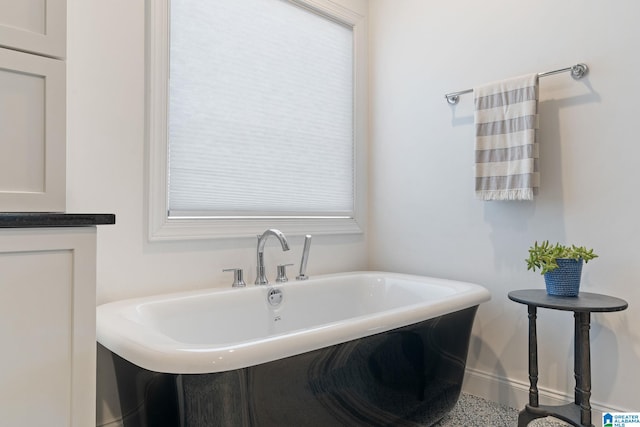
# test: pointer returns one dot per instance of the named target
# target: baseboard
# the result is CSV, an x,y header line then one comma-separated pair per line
x,y
514,393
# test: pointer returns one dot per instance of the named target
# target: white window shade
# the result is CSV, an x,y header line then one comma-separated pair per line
x,y
260,111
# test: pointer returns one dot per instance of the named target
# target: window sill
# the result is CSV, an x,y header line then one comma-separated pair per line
x,y
207,228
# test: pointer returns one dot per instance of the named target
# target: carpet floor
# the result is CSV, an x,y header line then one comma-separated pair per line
x,y
473,411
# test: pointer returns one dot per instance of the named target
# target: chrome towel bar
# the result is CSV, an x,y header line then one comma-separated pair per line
x,y
577,72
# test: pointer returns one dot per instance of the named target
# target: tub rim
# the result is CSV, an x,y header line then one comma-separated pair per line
x,y
120,333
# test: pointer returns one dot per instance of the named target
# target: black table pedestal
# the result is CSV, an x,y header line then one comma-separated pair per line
x,y
577,414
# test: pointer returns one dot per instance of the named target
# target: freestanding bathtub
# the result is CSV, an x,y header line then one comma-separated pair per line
x,y
352,349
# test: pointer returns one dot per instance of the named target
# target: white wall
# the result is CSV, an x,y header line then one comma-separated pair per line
x,y
424,218
106,169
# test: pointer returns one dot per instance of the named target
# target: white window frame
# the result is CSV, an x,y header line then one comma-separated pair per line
x,y
163,227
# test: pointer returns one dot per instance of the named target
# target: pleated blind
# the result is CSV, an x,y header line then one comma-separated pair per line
x,y
260,110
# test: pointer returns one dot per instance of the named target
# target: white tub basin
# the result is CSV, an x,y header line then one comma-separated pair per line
x,y
218,330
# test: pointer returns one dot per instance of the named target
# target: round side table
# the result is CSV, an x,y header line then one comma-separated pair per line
x,y
578,413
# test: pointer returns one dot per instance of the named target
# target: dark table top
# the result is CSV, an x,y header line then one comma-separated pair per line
x,y
585,301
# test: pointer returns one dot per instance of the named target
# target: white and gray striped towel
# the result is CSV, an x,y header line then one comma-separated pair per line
x,y
506,119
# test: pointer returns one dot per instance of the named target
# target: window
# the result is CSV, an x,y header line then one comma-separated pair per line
x,y
256,117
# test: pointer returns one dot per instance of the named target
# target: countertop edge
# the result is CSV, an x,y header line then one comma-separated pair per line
x,y
54,219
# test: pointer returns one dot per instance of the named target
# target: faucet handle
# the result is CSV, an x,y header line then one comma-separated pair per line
x,y
282,273
238,282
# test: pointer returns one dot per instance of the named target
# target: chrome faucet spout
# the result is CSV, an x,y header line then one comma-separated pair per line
x,y
261,277
272,232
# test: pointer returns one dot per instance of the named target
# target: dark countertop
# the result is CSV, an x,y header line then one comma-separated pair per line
x,y
53,219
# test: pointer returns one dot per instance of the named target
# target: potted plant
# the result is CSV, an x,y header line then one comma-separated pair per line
x,y
561,266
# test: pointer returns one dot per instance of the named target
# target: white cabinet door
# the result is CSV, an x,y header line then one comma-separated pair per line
x,y
36,26
47,327
32,133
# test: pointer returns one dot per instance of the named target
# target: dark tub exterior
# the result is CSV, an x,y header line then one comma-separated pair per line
x,y
410,376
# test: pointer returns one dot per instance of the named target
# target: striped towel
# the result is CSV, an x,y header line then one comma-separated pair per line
x,y
506,118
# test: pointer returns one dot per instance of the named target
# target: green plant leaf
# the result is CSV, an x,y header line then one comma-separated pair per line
x,y
544,256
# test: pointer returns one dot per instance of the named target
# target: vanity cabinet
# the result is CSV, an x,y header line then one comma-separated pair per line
x,y
35,26
47,323
32,133
32,105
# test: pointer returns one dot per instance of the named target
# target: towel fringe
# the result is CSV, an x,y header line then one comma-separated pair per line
x,y
513,194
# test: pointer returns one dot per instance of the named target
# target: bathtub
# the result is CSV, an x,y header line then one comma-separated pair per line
x,y
362,348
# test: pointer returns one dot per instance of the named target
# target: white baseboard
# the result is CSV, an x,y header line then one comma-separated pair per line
x,y
514,393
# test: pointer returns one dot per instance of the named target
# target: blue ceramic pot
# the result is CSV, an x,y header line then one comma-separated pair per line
x,y
564,280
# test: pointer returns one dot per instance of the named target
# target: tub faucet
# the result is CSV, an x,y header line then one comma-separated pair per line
x,y
261,278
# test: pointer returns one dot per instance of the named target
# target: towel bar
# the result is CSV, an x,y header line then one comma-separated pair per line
x,y
577,72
